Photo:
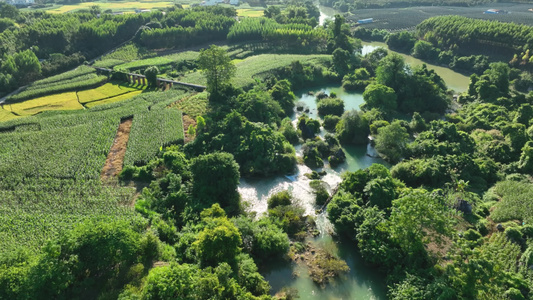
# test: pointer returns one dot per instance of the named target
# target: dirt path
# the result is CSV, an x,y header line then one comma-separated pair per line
x,y
187,121
115,158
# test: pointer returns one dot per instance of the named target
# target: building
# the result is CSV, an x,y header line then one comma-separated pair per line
x,y
365,21
494,11
20,2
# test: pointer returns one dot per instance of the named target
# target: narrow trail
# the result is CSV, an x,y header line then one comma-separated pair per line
x,y
115,157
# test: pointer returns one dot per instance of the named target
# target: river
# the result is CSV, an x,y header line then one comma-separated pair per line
x,y
361,282
455,81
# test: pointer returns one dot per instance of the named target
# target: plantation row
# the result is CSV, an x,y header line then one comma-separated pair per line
x,y
143,145
37,210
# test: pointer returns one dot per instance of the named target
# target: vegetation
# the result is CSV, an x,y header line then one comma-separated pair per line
x,y
142,144
449,220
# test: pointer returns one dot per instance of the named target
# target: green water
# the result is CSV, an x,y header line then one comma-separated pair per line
x,y
361,282
455,81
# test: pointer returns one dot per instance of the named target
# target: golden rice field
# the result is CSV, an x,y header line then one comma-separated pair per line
x,y
63,101
6,115
115,5
108,90
114,99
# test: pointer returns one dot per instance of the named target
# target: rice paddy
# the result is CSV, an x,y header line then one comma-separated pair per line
x,y
63,101
106,91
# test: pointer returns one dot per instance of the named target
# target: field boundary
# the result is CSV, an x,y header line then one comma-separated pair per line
x,y
115,157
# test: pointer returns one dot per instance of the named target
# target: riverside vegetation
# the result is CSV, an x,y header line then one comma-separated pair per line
x,y
451,219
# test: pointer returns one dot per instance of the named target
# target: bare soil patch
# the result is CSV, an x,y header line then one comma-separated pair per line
x,y
115,157
187,121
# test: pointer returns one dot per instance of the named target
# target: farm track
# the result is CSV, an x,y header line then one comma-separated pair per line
x,y
115,158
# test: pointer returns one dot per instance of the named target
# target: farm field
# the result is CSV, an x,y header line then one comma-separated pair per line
x,y
46,194
194,106
106,91
407,18
258,65
113,99
6,115
62,101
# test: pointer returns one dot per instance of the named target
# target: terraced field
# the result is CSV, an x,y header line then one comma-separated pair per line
x,y
62,101
108,91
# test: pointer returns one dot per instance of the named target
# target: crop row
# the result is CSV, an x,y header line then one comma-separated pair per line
x,y
107,90
150,131
51,163
39,209
502,252
515,201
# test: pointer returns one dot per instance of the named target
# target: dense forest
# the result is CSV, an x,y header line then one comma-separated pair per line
x,y
450,219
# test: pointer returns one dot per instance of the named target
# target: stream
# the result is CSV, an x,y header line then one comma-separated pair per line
x,y
361,282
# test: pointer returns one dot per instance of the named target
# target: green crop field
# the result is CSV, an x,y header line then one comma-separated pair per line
x,y
51,164
258,65
143,145
194,106
515,203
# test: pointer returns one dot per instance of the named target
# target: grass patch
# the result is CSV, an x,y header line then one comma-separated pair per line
x,y
256,65
515,201
107,90
63,101
129,52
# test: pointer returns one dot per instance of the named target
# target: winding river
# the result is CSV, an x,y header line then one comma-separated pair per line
x,y
361,282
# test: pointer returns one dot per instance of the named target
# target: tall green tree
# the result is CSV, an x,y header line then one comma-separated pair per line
x,y
217,68
391,141
381,97
215,180
151,75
